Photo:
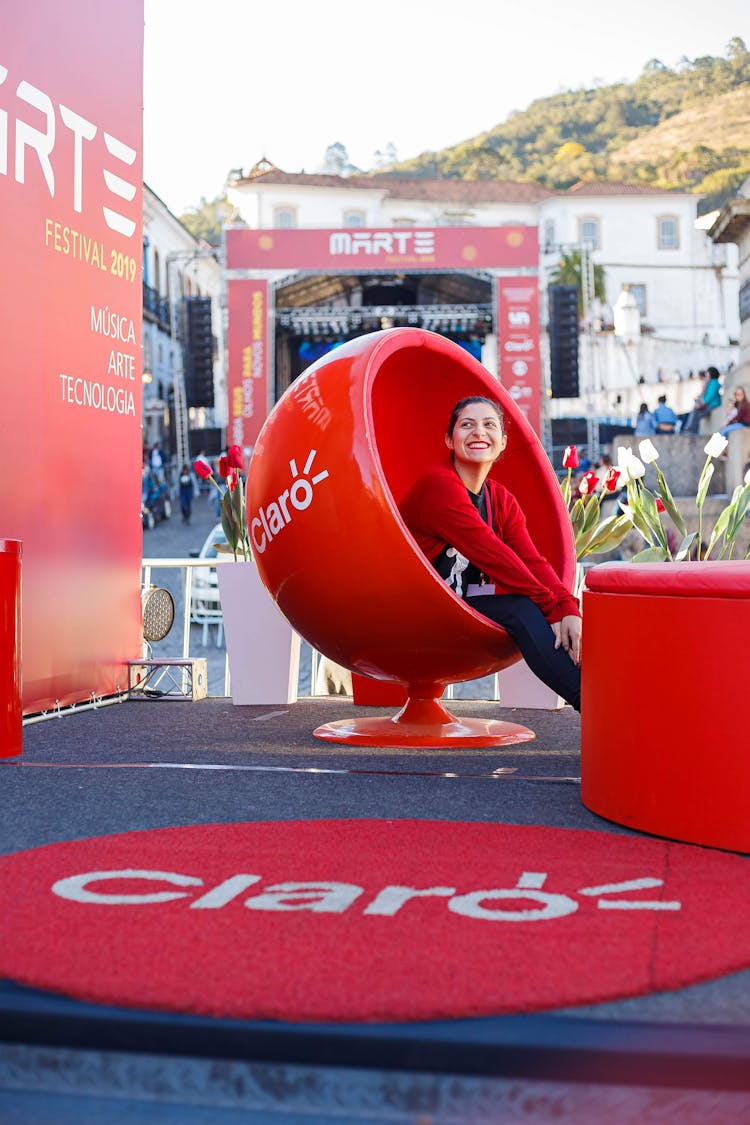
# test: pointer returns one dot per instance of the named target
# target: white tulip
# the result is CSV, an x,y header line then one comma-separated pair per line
x,y
628,464
747,477
715,445
648,451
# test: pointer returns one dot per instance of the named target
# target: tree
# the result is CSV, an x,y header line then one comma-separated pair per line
x,y
206,220
385,157
568,272
336,161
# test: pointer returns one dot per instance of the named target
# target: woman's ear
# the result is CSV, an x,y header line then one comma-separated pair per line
x,y
449,440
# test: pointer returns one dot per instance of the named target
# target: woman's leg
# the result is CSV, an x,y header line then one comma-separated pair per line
x,y
529,628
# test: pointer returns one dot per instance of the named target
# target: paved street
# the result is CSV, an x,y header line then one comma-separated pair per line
x,y
173,539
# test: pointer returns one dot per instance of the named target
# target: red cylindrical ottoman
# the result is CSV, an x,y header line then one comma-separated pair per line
x,y
11,715
665,724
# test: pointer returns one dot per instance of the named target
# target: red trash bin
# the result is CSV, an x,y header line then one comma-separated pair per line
x,y
11,717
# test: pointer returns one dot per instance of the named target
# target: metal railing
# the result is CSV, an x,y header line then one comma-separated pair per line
x,y
192,613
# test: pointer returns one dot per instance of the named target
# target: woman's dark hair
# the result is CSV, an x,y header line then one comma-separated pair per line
x,y
468,402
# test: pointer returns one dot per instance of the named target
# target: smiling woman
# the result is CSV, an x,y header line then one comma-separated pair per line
x,y
473,531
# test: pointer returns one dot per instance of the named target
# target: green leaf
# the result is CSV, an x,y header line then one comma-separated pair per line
x,y
683,551
669,503
565,489
608,535
640,522
228,522
576,516
739,508
591,514
238,506
703,483
651,554
718,530
651,514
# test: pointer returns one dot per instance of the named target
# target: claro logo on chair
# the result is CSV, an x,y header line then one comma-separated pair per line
x,y
274,517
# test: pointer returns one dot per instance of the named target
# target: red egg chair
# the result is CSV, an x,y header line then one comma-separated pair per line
x,y
332,462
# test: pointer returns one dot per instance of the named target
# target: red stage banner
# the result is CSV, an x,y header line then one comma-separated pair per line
x,y
70,321
518,344
393,247
247,375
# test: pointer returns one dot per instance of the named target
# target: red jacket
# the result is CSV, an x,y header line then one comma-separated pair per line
x,y
438,512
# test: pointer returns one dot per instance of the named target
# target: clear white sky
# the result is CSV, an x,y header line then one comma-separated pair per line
x,y
228,81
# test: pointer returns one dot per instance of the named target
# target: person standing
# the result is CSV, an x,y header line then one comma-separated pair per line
x,y
156,461
187,491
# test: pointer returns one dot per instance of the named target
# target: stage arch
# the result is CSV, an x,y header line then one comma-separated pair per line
x,y
294,294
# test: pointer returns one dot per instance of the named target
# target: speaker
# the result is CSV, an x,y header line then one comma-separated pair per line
x,y
199,352
563,340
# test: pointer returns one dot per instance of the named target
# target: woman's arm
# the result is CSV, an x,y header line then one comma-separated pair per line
x,y
516,534
444,510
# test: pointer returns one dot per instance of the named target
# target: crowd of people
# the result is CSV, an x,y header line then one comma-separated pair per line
x,y
159,480
663,419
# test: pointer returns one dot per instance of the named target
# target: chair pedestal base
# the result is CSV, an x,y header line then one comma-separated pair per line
x,y
424,722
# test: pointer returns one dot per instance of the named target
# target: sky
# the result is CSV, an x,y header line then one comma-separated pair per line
x,y
227,82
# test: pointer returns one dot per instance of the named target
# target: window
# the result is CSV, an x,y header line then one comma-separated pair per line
x,y
549,235
354,218
589,232
285,216
668,232
457,219
403,221
639,292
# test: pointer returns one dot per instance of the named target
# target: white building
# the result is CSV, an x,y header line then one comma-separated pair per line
x,y
646,239
732,226
176,266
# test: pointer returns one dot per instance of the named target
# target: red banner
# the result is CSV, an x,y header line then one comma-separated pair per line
x,y
394,247
247,376
70,321
518,344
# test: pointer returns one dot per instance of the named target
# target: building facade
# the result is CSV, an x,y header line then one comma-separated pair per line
x,y
648,242
732,227
181,277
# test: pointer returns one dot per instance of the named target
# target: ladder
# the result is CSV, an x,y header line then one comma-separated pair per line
x,y
180,398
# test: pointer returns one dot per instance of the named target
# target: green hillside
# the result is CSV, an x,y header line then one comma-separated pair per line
x,y
686,128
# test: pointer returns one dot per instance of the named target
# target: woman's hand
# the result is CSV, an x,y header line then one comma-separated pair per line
x,y
568,634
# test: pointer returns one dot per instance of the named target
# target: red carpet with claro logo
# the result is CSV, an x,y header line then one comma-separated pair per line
x,y
369,920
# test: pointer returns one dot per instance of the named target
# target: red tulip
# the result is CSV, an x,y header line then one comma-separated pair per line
x,y
570,457
224,467
234,457
232,478
202,470
611,479
588,483
660,505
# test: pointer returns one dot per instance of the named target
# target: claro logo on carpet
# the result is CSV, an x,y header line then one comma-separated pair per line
x,y
369,919
324,897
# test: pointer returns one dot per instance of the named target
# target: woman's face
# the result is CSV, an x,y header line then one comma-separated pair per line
x,y
739,394
478,436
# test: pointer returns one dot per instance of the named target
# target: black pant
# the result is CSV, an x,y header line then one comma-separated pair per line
x,y
529,628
